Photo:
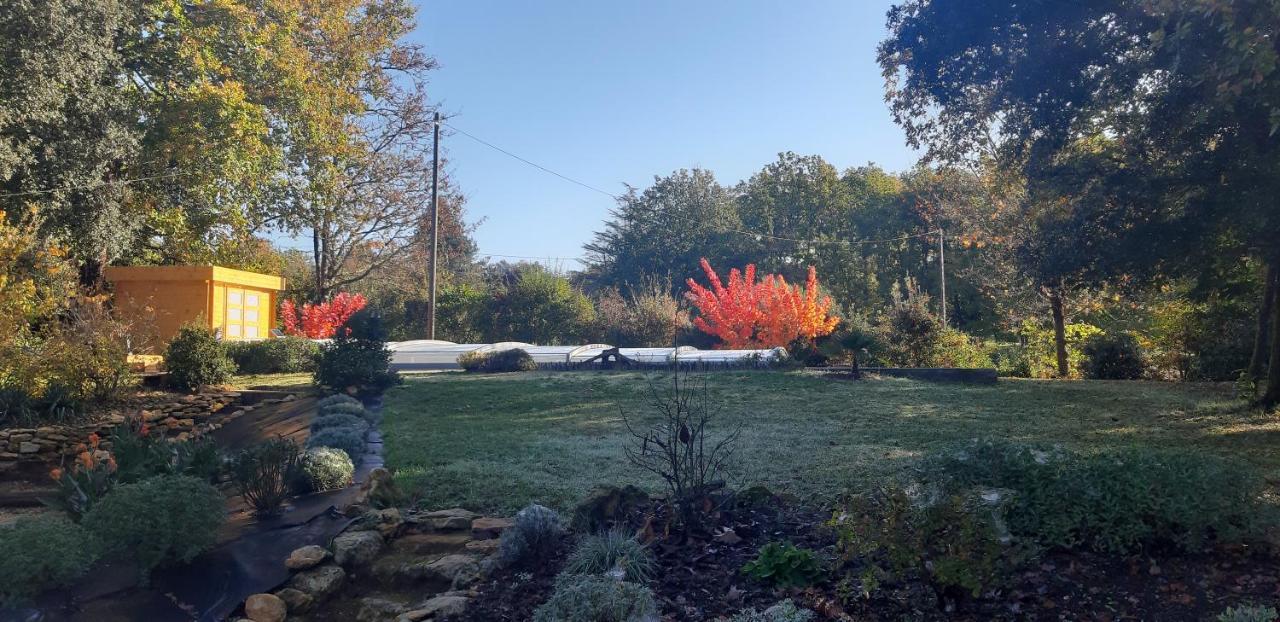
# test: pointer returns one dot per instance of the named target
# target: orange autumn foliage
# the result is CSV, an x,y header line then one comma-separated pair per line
x,y
764,314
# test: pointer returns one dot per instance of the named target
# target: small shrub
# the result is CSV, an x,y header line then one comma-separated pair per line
x,y
785,611
165,519
912,329
357,358
281,355
356,410
195,359
1249,613
335,399
593,598
1120,501
953,542
338,420
536,533
612,551
263,473
678,448
140,452
325,468
1113,357
785,565
472,361
502,361
350,440
37,554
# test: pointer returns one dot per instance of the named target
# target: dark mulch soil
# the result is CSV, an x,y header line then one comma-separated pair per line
x,y
699,579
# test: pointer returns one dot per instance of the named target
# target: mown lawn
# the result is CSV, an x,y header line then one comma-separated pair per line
x,y
498,442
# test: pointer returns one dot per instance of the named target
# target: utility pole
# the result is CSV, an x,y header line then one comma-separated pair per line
x,y
435,225
942,265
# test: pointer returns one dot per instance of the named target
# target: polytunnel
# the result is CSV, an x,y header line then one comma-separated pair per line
x,y
429,354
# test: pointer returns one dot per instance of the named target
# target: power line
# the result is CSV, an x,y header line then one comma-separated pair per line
x,y
581,259
530,163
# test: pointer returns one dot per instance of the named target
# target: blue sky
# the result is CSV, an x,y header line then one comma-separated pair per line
x,y
613,93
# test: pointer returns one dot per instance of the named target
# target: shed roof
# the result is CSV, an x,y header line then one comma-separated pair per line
x,y
194,273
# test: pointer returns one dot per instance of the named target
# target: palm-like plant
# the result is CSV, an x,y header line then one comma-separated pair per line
x,y
852,340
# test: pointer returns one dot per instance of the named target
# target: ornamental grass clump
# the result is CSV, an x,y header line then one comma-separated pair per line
x,y
785,611
263,474
355,410
1249,613
161,520
41,553
613,552
325,468
596,598
535,534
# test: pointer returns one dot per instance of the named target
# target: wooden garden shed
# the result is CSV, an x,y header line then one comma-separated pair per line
x,y
241,305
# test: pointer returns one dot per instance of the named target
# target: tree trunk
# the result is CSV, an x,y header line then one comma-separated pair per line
x,y
1261,338
1272,395
853,367
1059,331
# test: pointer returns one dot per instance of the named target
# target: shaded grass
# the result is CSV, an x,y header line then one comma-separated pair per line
x,y
497,442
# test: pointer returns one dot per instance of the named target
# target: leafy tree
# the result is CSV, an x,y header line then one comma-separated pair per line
x,y
536,306
663,231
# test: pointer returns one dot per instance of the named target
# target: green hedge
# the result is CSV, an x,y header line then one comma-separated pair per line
x,y
284,355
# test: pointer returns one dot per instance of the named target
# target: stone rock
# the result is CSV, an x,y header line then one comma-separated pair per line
x,y
357,548
431,543
386,522
265,608
457,570
320,581
456,519
487,528
297,600
438,608
483,547
606,506
378,610
28,447
306,557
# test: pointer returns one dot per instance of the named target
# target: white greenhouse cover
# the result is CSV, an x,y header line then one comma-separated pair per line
x,y
423,354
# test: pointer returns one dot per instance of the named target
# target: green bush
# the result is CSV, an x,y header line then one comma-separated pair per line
x,y
785,611
912,329
350,440
1041,353
325,468
783,564
610,551
282,355
339,420
195,358
37,554
336,399
536,533
594,598
357,358
501,361
264,472
165,519
1113,357
1119,501
957,350
951,541
1249,613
